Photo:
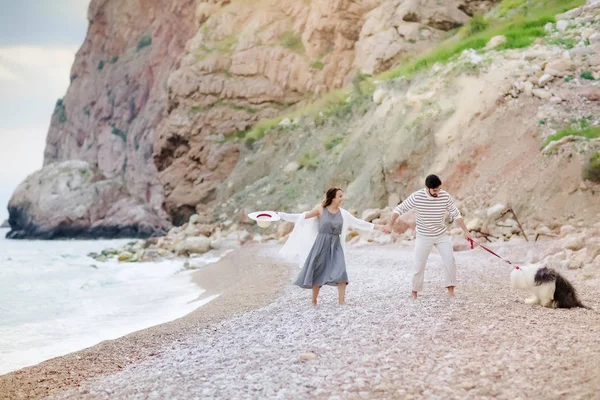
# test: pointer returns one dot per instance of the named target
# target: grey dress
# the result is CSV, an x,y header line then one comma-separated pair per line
x,y
325,264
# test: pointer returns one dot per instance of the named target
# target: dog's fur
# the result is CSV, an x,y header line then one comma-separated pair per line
x,y
549,288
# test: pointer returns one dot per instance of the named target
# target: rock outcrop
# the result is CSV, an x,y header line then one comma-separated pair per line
x,y
249,62
72,199
161,87
108,119
475,120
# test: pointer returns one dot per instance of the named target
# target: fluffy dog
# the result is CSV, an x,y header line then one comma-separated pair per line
x,y
548,287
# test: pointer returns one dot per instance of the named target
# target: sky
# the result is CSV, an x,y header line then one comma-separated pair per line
x,y
38,42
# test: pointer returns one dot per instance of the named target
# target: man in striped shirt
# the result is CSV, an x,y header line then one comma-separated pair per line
x,y
430,205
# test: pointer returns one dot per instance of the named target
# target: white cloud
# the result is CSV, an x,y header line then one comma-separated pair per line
x,y
38,42
35,56
31,79
21,153
29,71
6,74
76,9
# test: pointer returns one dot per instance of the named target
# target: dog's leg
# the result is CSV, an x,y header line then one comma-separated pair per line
x,y
532,300
546,294
550,303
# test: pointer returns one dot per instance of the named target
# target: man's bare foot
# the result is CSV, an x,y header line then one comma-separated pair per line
x,y
451,291
314,304
413,295
341,303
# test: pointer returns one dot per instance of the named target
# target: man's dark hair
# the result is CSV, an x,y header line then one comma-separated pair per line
x,y
433,182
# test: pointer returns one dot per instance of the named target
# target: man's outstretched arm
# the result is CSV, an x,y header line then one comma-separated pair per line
x,y
456,215
400,209
461,223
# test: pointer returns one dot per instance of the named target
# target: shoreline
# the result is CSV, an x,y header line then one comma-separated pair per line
x,y
381,344
242,280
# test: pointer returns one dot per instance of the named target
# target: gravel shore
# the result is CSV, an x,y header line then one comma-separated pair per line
x,y
485,343
243,280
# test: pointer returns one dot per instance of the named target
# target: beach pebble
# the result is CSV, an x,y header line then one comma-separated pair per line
x,y
125,256
308,356
380,343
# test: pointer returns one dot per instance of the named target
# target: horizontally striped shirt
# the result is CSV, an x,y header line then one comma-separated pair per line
x,y
430,212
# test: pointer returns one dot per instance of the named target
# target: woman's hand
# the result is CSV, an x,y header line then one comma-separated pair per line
x,y
383,228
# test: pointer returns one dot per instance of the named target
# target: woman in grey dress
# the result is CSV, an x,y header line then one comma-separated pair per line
x,y
326,264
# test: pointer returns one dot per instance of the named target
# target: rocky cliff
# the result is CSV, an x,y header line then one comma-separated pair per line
x,y
252,61
506,111
161,87
98,177
512,126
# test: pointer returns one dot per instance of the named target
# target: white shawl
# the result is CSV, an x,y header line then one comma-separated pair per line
x,y
305,233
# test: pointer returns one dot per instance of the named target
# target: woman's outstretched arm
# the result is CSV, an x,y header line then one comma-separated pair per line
x,y
315,212
289,217
359,223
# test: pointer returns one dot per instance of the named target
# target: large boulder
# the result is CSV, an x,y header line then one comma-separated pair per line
x,y
371,214
574,242
495,42
73,200
559,67
197,244
395,30
495,211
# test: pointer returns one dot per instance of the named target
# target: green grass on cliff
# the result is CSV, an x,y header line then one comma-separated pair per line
x,y
591,132
521,31
292,41
259,130
117,132
508,5
61,111
578,127
226,44
475,25
338,103
518,34
318,65
145,41
527,7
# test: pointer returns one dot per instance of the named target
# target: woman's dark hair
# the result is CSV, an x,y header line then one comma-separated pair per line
x,y
329,196
433,182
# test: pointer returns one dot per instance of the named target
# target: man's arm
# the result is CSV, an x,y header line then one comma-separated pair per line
x,y
400,209
462,225
392,221
455,215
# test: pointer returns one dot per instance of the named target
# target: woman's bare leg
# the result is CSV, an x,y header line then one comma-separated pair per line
x,y
451,291
315,292
342,292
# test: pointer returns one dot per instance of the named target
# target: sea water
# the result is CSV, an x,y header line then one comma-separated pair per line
x,y
54,299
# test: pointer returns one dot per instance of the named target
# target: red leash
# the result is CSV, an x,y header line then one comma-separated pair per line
x,y
473,243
